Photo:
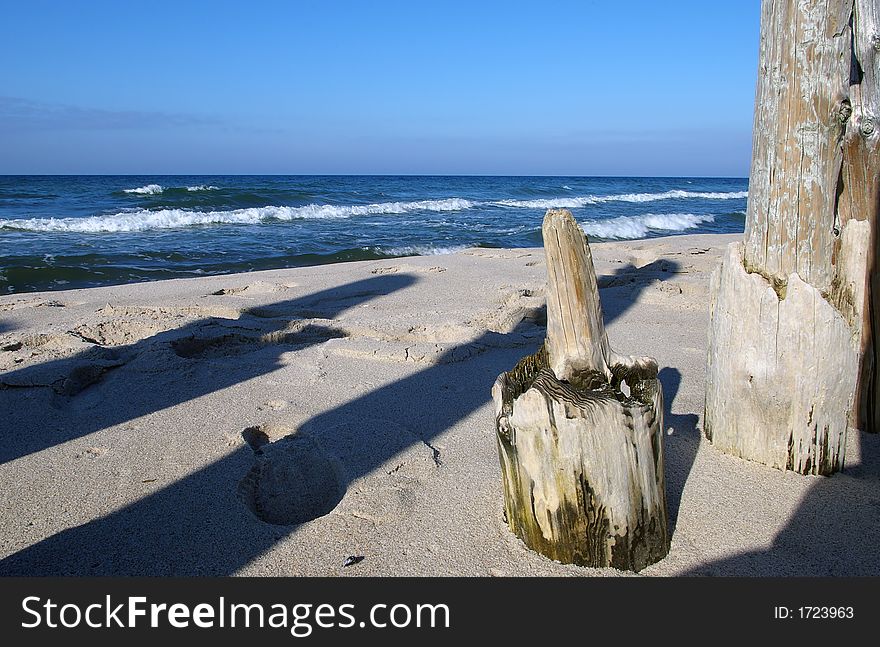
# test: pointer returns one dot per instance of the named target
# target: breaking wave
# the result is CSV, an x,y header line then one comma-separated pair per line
x,y
150,189
581,201
156,189
423,250
631,227
143,220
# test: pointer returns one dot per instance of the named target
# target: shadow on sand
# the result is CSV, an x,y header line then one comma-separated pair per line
x,y
679,449
199,525
834,531
170,355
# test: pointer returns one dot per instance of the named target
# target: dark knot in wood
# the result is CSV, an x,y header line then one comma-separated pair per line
x,y
845,111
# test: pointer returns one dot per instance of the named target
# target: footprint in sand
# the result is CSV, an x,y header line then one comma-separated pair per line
x,y
259,287
292,480
416,269
118,332
377,466
71,378
299,334
514,307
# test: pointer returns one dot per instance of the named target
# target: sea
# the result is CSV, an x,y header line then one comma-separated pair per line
x,y
61,232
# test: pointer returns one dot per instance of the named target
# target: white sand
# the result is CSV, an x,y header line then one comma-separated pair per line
x,y
123,411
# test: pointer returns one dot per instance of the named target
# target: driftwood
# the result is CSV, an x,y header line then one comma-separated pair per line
x,y
582,461
792,354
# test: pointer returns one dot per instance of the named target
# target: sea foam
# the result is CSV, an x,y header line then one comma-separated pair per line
x,y
144,220
423,250
631,227
156,189
150,189
582,201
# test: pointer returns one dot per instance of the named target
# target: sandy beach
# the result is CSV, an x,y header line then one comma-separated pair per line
x,y
278,422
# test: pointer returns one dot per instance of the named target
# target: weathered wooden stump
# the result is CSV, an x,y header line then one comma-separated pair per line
x,y
582,461
794,360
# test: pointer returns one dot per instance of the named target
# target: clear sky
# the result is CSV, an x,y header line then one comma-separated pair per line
x,y
630,87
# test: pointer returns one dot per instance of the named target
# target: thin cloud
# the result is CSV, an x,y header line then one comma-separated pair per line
x,y
17,113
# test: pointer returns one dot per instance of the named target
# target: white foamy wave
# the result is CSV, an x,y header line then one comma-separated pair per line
x,y
155,189
138,221
549,203
675,193
150,189
630,227
423,250
574,203
133,221
345,211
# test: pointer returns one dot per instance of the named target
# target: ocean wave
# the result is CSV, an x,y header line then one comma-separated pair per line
x,y
582,201
346,211
155,189
630,227
677,194
423,250
143,220
548,203
132,221
150,189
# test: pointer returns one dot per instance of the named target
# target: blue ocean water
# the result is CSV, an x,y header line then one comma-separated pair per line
x,y
60,232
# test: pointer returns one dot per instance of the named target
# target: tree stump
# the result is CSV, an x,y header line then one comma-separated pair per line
x,y
793,356
582,461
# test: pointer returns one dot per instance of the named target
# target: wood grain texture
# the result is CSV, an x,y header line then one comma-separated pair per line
x,y
781,373
577,346
860,199
581,461
787,376
802,95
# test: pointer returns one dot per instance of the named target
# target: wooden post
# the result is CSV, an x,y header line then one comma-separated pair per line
x,y
792,359
581,461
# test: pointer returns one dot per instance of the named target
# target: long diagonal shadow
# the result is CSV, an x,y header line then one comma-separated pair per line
x,y
69,377
680,449
199,526
834,532
196,526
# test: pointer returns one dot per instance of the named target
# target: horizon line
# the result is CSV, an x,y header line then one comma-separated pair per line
x,y
487,175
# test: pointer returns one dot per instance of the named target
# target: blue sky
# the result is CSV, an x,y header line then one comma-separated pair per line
x,y
545,88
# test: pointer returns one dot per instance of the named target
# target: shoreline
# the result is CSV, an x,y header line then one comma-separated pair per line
x,y
707,238
134,412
